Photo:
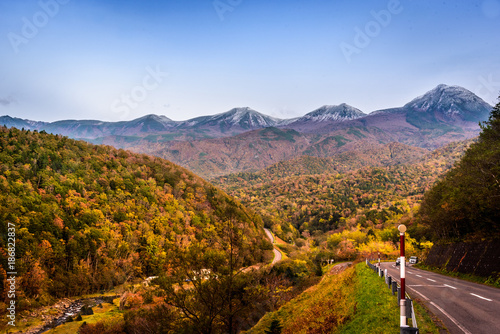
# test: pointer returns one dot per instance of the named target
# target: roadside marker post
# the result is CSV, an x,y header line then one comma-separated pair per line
x,y
402,265
403,311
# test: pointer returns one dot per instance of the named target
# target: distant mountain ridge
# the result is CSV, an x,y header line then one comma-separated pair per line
x,y
443,104
232,122
88,129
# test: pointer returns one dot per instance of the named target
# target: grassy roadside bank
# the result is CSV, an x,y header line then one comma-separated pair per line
x,y
377,309
354,301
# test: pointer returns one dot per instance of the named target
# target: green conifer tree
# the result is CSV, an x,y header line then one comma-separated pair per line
x,y
275,327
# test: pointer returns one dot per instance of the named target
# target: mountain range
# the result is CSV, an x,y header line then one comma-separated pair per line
x,y
232,122
443,104
243,139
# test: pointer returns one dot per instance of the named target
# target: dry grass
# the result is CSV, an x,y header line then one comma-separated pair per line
x,y
319,309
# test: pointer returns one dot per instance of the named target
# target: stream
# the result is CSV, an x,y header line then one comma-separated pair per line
x,y
73,310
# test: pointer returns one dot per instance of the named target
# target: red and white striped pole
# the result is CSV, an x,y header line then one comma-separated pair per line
x,y
402,265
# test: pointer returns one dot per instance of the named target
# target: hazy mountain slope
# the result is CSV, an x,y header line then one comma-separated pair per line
x,y
255,150
249,151
259,149
361,155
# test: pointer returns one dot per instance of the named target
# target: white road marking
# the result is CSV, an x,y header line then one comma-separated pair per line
x,y
451,318
409,272
459,325
421,295
478,296
434,286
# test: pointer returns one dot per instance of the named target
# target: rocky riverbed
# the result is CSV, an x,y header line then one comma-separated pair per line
x,y
64,309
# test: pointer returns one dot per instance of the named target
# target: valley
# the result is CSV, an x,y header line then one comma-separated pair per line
x,y
188,207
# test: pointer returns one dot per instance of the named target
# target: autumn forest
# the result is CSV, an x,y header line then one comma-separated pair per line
x,y
90,219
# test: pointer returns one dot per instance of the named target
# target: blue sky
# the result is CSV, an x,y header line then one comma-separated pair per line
x,y
119,60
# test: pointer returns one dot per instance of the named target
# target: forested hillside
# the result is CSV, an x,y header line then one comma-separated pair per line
x,y
465,204
341,193
90,217
361,154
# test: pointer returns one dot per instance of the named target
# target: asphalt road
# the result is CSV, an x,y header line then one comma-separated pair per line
x,y
464,307
277,253
269,235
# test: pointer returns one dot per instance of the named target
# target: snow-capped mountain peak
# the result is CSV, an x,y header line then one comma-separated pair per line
x,y
245,118
342,112
446,97
254,118
451,101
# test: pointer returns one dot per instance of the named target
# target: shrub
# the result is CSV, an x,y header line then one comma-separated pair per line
x,y
104,327
86,310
